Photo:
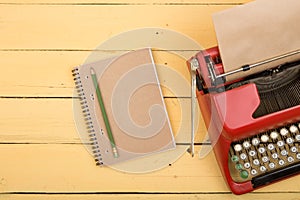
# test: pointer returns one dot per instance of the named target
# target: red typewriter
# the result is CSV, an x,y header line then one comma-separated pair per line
x,y
253,123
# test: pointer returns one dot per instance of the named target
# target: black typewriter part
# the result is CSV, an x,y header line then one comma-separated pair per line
x,y
199,82
275,176
278,88
266,157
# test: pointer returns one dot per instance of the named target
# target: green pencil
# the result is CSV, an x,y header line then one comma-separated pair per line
x,y
104,114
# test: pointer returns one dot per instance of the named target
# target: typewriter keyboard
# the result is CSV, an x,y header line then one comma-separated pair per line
x,y
269,152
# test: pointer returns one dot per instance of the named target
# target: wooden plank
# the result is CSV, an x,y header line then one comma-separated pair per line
x,y
125,2
85,27
52,120
70,168
274,196
48,73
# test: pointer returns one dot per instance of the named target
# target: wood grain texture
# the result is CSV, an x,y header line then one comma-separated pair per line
x,y
51,121
192,196
67,168
41,153
85,27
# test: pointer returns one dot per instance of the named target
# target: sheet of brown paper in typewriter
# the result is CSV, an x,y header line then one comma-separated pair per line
x,y
257,31
135,106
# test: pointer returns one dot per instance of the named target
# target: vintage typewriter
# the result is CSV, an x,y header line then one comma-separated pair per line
x,y
253,122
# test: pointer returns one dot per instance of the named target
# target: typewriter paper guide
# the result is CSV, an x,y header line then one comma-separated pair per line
x,y
257,31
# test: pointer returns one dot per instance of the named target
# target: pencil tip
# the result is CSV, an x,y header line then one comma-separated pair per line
x,y
115,152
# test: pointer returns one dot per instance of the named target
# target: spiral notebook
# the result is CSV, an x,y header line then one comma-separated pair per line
x,y
129,119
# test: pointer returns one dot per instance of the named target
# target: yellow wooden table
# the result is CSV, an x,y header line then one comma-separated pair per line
x,y
41,154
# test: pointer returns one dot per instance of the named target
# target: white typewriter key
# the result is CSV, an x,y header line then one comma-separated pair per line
x,y
271,165
297,137
256,162
274,135
246,144
284,152
264,138
238,147
281,162
255,141
293,129
261,150
290,159
280,143
253,172
243,156
274,155
262,168
252,153
284,131
265,159
271,147
289,140
294,149
247,165
298,156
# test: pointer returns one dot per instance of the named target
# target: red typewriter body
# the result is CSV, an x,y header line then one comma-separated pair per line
x,y
228,115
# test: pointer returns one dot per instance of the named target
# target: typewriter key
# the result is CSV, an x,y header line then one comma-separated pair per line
x,y
239,166
293,149
271,165
294,129
261,150
274,135
265,159
247,165
280,143
264,138
238,147
297,137
284,152
255,141
246,144
298,156
234,158
274,155
289,140
253,172
281,162
284,131
244,174
290,159
256,162
271,147
243,156
262,168
252,153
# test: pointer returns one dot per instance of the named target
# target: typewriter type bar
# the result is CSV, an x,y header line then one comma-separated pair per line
x,y
253,122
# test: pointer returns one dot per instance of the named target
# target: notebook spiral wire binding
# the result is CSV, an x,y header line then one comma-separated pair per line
x,y
87,117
